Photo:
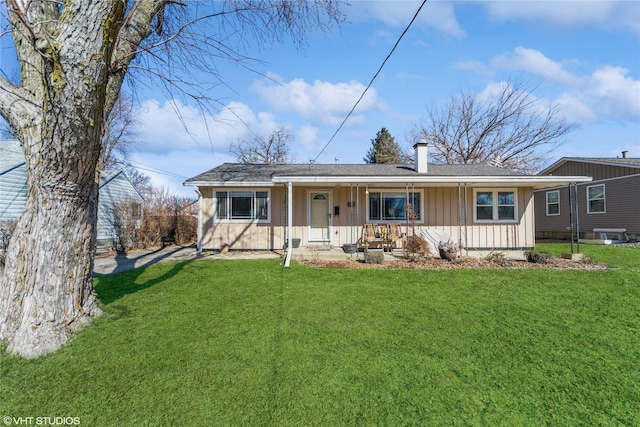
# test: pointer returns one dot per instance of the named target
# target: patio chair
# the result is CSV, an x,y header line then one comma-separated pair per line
x,y
371,237
394,236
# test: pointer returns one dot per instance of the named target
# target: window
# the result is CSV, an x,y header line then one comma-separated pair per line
x,y
595,199
242,205
495,205
553,202
391,205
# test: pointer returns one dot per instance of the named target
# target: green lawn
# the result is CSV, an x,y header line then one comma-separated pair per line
x,y
246,342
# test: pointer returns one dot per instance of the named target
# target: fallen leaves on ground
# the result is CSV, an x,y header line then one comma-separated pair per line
x,y
461,263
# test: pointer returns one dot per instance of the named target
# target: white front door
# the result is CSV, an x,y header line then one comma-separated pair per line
x,y
319,216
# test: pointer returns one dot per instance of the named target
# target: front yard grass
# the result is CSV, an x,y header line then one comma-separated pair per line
x,y
247,342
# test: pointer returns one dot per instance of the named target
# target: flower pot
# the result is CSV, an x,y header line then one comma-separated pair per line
x,y
350,248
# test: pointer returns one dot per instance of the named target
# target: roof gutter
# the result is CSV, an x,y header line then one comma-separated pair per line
x,y
533,180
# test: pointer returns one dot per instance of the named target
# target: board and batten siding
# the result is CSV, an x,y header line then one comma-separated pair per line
x,y
595,170
442,212
249,235
622,209
440,207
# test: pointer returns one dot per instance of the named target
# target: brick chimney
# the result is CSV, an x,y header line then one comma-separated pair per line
x,y
421,156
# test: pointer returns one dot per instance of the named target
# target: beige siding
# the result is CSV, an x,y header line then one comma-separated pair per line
x,y
440,211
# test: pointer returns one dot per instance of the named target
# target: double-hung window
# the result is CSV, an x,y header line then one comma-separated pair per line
x,y
553,202
392,205
595,199
242,205
495,205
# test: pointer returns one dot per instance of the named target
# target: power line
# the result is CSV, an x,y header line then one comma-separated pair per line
x,y
148,168
371,82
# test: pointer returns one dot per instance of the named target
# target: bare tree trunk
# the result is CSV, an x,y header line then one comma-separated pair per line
x,y
74,56
47,291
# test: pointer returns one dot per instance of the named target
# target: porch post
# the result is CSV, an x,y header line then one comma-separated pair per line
x,y
287,260
199,244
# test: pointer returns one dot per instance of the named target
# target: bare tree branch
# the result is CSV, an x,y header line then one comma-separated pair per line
x,y
265,149
511,128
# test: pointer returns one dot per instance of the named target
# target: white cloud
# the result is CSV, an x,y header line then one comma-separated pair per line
x,y
573,109
437,15
307,138
176,127
605,14
617,95
534,62
320,102
608,93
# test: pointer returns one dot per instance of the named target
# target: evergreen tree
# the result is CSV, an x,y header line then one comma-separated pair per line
x,y
384,149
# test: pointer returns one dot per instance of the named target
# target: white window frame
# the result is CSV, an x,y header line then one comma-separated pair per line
x,y
495,206
555,203
420,192
228,205
604,200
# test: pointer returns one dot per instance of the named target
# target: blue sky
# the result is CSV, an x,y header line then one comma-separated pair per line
x,y
583,56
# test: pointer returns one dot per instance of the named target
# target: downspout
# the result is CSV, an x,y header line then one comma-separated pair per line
x,y
357,219
459,216
351,219
284,216
571,215
575,188
199,244
466,222
287,260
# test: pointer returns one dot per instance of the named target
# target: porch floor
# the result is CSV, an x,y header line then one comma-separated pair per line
x,y
335,253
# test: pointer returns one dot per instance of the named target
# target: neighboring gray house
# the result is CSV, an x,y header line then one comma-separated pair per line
x,y
115,187
610,202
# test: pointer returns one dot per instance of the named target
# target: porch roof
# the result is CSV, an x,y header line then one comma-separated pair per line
x,y
240,174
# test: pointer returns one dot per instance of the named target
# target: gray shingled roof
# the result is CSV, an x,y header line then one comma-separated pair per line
x,y
630,162
240,172
627,161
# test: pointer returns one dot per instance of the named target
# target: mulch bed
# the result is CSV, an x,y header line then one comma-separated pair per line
x,y
495,262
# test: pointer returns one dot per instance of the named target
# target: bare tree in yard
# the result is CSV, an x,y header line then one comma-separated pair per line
x,y
119,134
265,149
511,129
74,56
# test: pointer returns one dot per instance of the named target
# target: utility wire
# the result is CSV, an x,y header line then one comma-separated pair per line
x,y
371,82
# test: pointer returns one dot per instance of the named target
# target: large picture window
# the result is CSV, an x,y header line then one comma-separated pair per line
x,y
391,205
595,199
495,205
553,202
242,205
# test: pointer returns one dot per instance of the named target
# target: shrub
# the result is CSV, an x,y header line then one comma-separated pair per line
x,y
498,258
538,258
166,218
417,248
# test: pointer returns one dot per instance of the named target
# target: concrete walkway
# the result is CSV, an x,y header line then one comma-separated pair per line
x,y
111,264
124,262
